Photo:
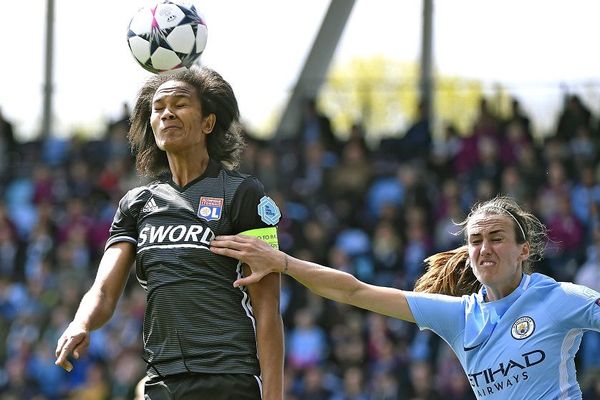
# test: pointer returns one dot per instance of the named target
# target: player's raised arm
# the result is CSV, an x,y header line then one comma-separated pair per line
x,y
324,281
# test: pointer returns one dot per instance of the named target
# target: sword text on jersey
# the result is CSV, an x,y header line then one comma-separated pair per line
x,y
151,234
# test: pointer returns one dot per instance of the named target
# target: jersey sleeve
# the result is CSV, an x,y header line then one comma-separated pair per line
x,y
580,306
441,314
124,225
251,208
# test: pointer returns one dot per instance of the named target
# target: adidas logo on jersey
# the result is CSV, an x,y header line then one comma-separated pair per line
x,y
150,206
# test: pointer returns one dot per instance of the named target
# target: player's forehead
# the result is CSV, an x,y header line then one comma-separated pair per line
x,y
174,88
485,223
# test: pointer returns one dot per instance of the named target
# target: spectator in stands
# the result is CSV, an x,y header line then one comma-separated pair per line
x,y
353,385
384,386
528,165
8,148
583,147
556,187
314,386
387,253
422,383
444,150
566,234
592,391
499,294
358,137
519,116
416,143
573,115
315,127
350,177
585,198
307,343
514,139
588,275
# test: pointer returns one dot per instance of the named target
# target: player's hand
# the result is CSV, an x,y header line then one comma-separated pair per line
x,y
259,255
74,341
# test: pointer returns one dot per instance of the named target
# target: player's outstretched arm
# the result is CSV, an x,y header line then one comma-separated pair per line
x,y
98,304
324,281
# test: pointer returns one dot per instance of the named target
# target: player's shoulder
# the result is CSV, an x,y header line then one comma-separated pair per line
x,y
538,280
237,175
141,193
243,181
561,291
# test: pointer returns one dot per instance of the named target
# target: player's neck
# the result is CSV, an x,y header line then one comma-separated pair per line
x,y
497,292
184,172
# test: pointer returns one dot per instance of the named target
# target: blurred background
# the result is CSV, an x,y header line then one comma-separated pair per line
x,y
374,125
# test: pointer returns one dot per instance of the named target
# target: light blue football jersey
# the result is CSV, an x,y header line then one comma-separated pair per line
x,y
520,347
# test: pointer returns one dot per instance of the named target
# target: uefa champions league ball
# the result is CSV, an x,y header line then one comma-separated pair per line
x,y
166,35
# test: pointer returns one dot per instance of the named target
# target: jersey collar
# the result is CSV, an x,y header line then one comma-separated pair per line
x,y
212,170
481,317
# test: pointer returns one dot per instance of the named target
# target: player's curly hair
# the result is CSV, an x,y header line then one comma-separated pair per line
x,y
449,272
224,144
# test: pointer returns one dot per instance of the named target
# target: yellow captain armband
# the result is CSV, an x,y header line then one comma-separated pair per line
x,y
268,235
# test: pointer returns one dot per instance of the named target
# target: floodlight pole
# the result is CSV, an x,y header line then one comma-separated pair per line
x,y
48,68
426,80
314,70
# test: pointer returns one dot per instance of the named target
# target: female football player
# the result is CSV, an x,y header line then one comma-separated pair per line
x,y
515,332
203,338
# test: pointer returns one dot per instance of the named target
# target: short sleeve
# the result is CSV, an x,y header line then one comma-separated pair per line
x,y
581,306
251,208
441,314
124,225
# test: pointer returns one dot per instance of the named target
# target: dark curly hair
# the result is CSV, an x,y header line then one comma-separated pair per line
x,y
216,96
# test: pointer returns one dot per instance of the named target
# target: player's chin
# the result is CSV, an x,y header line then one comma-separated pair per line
x,y
174,145
485,276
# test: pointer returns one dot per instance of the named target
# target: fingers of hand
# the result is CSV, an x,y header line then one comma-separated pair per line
x,y
242,282
252,278
234,241
224,251
225,239
225,244
60,345
80,349
63,362
66,350
68,366
230,248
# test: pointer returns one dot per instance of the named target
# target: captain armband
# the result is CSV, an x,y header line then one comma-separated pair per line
x,y
268,235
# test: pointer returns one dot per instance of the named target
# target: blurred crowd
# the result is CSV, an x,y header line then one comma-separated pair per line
x,y
376,211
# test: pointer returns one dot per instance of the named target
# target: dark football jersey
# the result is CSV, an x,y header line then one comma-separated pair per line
x,y
195,319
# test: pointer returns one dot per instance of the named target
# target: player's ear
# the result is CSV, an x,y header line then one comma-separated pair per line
x,y
208,123
525,251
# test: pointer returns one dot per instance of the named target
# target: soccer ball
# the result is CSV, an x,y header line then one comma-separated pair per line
x,y
166,35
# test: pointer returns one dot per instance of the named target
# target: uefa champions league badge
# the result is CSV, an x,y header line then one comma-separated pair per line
x,y
268,211
210,208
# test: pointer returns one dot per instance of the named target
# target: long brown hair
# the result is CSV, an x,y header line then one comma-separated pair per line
x,y
216,96
449,272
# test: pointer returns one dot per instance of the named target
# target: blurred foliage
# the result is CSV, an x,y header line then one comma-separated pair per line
x,y
383,94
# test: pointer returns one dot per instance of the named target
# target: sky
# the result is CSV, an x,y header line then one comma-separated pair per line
x,y
535,48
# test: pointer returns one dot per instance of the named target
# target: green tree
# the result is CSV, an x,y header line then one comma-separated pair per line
x,y
382,94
